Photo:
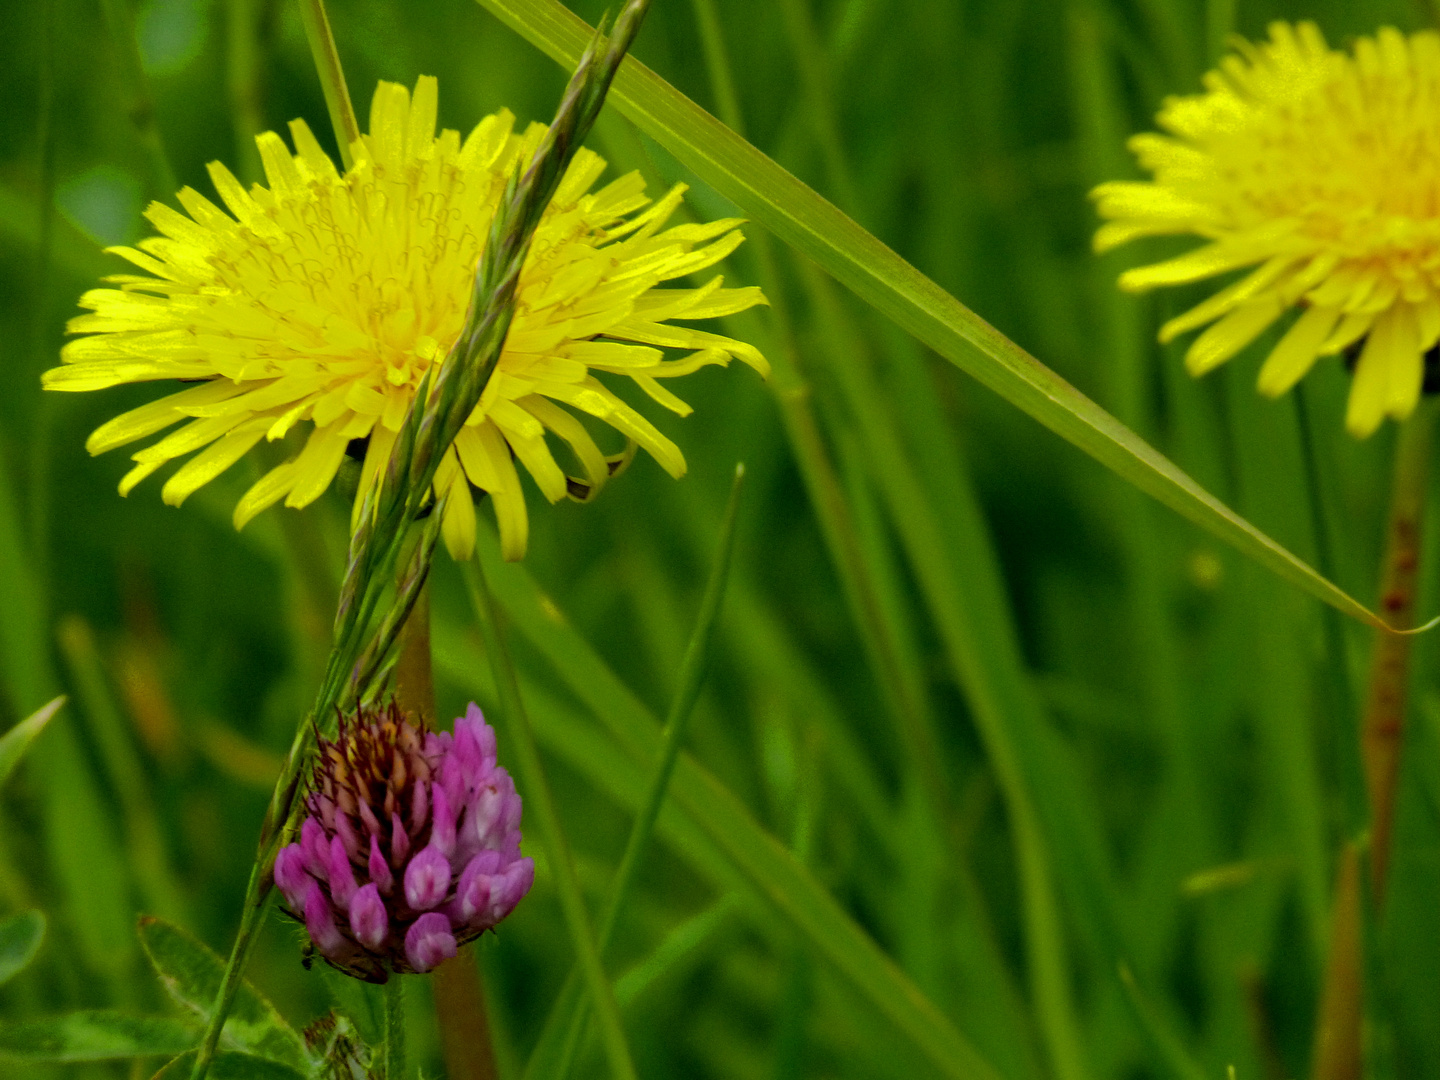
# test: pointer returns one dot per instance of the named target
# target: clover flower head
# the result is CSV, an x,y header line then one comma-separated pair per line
x,y
1318,170
410,846
322,300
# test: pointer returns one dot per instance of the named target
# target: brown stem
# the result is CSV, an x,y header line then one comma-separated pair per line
x,y
464,1025
414,681
459,997
1338,1054
1384,720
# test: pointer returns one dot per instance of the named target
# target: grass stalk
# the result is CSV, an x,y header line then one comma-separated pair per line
x,y
860,578
444,400
541,803
332,77
243,83
750,853
982,664
876,274
677,722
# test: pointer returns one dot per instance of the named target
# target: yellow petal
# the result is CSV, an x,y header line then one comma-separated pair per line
x,y
1297,350
1231,334
148,419
265,492
316,466
211,462
1387,376
508,499
1227,299
526,436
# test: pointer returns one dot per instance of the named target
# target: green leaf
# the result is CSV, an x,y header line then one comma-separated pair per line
x,y
766,865
233,1065
191,972
97,1036
799,216
17,740
20,939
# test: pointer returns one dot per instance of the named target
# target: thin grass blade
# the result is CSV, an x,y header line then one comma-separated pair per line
x,y
568,1016
541,801
17,740
766,864
802,218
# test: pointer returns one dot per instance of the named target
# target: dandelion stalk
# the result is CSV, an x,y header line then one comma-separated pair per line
x,y
459,999
1338,1049
437,411
1384,719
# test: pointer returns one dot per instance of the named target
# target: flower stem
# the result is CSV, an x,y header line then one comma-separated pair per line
x,y
464,1025
1338,1052
395,1028
332,76
414,679
1338,1049
459,998
1384,718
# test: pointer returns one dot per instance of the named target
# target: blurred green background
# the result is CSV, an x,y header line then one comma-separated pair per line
x,y
1184,721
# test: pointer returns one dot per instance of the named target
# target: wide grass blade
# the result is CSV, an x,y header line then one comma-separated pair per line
x,y
542,807
568,1014
767,865
802,218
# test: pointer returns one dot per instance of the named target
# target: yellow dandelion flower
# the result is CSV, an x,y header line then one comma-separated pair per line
x,y
324,298
1321,170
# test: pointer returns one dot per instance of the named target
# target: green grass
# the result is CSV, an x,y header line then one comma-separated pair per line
x,y
990,716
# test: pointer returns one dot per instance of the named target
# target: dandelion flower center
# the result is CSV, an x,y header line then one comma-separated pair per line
x,y
1321,170
323,299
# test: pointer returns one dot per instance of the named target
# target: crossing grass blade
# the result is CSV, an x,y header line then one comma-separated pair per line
x,y
766,864
803,219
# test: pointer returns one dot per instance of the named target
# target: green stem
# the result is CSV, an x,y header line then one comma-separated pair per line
x,y
541,804
395,1028
900,686
141,106
962,587
332,77
243,83
692,676
257,896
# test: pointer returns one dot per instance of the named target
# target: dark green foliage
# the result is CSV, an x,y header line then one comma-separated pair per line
x,y
836,886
